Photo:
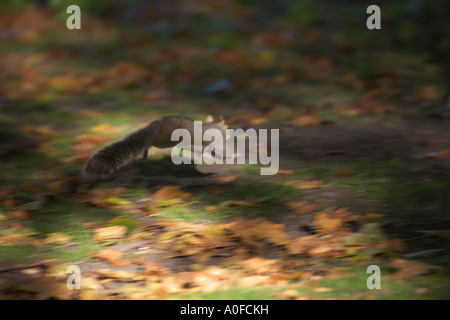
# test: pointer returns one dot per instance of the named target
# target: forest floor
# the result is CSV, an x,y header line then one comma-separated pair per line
x,y
364,164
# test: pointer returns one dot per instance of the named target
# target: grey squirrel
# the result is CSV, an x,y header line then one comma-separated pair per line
x,y
110,159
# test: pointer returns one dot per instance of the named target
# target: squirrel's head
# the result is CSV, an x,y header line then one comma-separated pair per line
x,y
209,122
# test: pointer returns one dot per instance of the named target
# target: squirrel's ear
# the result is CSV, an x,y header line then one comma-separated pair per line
x,y
222,120
209,119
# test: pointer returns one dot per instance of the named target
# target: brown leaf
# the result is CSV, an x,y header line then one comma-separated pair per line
x,y
154,269
326,223
309,120
113,257
305,185
171,192
20,214
108,233
300,245
116,274
287,294
169,285
409,268
285,172
226,178
301,207
58,238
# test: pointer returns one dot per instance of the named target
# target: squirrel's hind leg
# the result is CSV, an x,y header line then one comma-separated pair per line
x,y
145,154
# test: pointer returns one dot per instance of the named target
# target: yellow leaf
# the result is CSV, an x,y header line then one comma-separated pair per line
x,y
119,201
58,238
107,233
168,235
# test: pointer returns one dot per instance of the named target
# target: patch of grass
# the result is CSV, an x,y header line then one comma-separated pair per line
x,y
185,213
354,286
234,294
69,218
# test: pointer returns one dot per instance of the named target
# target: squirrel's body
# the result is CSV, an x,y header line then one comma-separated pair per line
x,y
158,133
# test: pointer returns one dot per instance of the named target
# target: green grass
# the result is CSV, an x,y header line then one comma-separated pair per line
x,y
68,218
234,294
354,286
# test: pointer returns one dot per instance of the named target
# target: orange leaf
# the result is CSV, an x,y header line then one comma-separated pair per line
x,y
309,120
113,257
313,184
285,172
301,207
409,268
108,233
170,192
327,223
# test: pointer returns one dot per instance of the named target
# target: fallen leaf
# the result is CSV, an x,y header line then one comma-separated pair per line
x,y
305,185
226,178
287,294
116,274
108,233
171,192
301,207
285,172
300,245
169,285
118,201
20,214
58,238
322,290
327,223
113,257
409,269
309,120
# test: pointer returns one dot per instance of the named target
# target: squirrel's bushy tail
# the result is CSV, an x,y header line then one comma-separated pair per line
x,y
111,158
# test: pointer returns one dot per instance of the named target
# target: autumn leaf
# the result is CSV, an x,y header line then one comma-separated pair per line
x,y
285,172
104,128
305,185
122,275
300,245
326,223
226,179
308,120
113,257
301,207
58,238
171,193
109,233
407,269
118,201
20,214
